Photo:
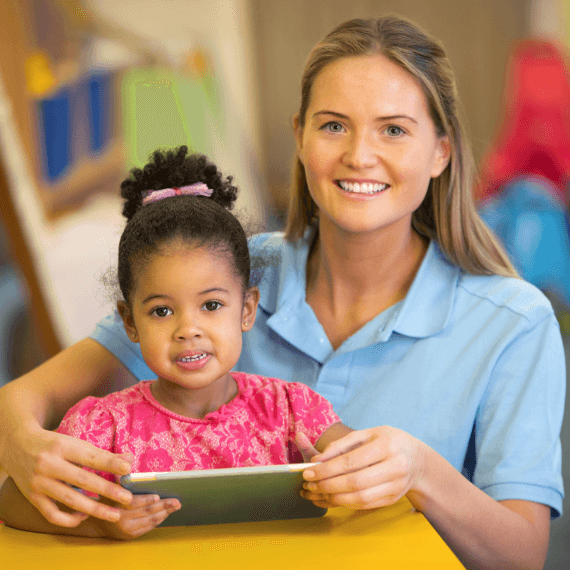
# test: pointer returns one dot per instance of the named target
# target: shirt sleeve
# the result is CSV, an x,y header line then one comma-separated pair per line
x,y
111,334
90,421
310,413
517,430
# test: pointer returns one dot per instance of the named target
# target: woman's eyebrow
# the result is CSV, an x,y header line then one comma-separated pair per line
x,y
386,118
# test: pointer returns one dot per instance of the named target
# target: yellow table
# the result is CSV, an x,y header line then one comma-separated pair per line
x,y
395,537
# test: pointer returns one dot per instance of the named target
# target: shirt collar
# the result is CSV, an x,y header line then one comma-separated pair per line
x,y
427,307
424,312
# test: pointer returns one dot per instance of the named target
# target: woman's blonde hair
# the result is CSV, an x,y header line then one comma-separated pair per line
x,y
448,213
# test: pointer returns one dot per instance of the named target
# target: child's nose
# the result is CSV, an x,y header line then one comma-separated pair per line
x,y
187,328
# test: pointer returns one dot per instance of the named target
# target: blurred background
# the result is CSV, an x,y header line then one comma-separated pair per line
x,y
89,88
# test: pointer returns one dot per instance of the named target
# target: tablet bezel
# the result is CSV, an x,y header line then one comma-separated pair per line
x,y
236,494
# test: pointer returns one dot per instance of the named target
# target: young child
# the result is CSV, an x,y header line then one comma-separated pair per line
x,y
184,271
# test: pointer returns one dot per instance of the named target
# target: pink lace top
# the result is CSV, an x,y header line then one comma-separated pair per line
x,y
257,427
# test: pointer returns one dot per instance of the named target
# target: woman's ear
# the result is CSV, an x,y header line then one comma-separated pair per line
x,y
442,156
128,321
249,308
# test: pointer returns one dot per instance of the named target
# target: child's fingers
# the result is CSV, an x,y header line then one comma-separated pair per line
x,y
149,516
142,501
150,506
304,445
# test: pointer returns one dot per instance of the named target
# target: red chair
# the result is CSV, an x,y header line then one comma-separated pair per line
x,y
534,138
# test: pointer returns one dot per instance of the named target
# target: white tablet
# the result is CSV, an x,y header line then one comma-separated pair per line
x,y
240,494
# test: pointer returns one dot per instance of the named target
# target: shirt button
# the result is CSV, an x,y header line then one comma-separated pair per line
x,y
321,340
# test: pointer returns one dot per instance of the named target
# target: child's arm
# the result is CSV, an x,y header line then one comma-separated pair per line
x,y
143,514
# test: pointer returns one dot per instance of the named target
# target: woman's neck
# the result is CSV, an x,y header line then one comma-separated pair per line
x,y
351,278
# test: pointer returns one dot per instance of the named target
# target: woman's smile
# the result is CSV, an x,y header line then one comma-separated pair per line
x,y
362,187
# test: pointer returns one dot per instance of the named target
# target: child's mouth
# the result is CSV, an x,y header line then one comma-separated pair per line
x,y
193,361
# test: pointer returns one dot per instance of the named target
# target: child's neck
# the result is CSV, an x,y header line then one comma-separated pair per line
x,y
194,403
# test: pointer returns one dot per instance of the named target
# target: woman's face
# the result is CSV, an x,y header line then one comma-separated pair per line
x,y
369,146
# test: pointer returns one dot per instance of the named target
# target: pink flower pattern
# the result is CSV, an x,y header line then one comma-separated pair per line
x,y
258,427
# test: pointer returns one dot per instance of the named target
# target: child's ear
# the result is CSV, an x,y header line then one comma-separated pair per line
x,y
249,308
128,321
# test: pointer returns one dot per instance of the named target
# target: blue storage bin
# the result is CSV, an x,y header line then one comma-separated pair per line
x,y
55,134
100,111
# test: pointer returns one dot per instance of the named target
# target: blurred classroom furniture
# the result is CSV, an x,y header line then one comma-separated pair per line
x,y
391,537
523,192
27,336
88,89
533,226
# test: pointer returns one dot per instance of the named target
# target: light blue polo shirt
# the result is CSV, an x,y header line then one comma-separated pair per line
x,y
473,366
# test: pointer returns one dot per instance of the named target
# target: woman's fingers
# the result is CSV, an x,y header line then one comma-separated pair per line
x,y
53,490
65,462
58,468
375,468
355,451
53,514
345,444
54,468
85,454
384,481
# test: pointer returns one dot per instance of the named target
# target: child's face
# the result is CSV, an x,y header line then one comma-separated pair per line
x,y
188,313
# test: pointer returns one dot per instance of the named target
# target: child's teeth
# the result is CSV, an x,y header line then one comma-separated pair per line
x,y
192,358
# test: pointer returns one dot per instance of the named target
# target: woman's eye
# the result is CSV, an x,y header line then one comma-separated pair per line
x,y
212,305
394,131
162,311
333,127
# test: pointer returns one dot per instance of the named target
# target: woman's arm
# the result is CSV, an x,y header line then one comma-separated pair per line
x,y
144,514
376,467
39,460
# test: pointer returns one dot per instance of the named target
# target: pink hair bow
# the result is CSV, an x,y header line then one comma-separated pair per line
x,y
196,189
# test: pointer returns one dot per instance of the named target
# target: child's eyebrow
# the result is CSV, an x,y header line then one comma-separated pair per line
x,y
205,292
213,290
151,297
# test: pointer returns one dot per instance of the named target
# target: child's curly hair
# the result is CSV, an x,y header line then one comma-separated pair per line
x,y
201,221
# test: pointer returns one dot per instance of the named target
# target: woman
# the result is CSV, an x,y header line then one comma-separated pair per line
x,y
391,299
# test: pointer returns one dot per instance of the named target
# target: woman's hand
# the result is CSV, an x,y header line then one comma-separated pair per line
x,y
365,469
143,514
46,469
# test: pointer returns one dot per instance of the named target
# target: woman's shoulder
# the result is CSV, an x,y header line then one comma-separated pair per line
x,y
517,296
271,242
276,265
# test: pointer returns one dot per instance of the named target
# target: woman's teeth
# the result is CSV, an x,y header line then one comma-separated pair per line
x,y
192,358
365,188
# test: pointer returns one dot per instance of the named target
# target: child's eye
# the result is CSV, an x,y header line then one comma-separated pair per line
x,y
394,131
161,311
333,127
212,305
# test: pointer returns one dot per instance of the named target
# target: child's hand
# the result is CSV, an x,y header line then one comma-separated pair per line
x,y
305,446
143,514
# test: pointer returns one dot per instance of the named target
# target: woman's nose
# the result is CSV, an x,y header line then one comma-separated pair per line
x,y
360,152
